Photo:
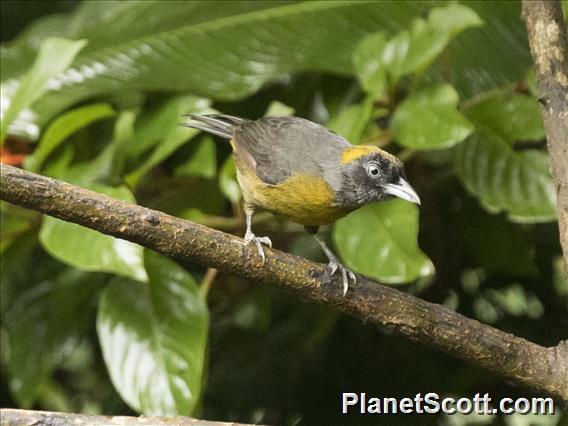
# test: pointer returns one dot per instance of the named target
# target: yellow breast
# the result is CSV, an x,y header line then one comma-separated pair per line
x,y
305,199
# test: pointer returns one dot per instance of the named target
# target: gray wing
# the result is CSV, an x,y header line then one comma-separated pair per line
x,y
283,146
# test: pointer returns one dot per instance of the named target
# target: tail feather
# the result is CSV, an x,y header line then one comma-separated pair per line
x,y
217,124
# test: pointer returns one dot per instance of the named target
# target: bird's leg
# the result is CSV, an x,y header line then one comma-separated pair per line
x,y
335,265
250,237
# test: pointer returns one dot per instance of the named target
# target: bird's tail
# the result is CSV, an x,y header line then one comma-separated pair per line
x,y
217,124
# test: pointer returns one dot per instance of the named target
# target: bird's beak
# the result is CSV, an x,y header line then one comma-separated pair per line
x,y
403,190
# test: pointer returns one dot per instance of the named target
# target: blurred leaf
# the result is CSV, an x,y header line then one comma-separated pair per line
x,y
370,67
228,181
380,241
17,60
429,119
155,123
514,300
352,121
123,138
44,326
90,250
379,63
63,127
54,56
170,135
278,109
505,58
512,117
19,264
518,182
203,161
228,57
254,313
153,337
14,221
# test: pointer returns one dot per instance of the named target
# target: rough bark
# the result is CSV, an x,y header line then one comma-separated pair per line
x,y
549,47
11,417
542,369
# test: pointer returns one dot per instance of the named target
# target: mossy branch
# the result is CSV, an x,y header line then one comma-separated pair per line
x,y
542,369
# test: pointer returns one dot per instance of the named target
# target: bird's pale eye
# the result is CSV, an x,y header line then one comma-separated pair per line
x,y
373,170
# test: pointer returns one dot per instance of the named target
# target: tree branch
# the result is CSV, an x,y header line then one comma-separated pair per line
x,y
12,417
542,369
549,47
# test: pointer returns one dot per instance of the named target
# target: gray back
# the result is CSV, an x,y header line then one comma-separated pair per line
x,y
284,146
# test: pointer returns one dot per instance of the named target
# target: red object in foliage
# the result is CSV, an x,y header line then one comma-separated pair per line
x,y
11,158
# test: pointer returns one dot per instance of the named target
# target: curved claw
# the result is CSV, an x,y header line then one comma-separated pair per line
x,y
258,242
346,274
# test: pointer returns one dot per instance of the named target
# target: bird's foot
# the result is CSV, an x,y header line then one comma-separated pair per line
x,y
346,274
258,242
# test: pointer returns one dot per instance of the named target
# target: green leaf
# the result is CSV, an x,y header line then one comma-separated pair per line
x,y
54,56
370,66
228,181
380,240
454,18
518,182
14,222
224,54
162,130
278,109
63,127
44,326
429,119
203,161
379,63
123,138
491,56
352,121
512,117
154,337
504,180
89,250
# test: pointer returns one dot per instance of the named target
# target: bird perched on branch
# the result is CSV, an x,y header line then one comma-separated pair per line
x,y
299,169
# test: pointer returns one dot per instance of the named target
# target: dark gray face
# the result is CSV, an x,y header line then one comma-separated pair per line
x,y
372,178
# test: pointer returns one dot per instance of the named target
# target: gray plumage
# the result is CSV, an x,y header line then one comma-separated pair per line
x,y
275,147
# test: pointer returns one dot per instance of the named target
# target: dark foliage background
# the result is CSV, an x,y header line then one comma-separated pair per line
x,y
90,324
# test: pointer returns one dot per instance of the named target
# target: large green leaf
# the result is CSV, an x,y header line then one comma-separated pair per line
x,y
153,337
224,53
380,241
90,250
379,63
229,52
496,54
512,117
44,326
518,182
429,119
63,127
54,56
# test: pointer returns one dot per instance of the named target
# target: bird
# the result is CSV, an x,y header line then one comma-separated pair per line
x,y
299,169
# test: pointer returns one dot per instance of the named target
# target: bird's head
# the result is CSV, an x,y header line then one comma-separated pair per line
x,y
369,174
